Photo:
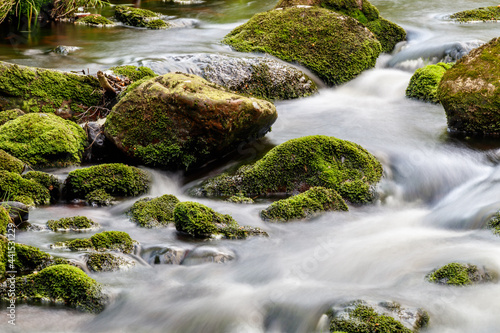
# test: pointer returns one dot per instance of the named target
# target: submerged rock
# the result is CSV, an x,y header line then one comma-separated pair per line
x,y
65,50
107,240
156,212
13,187
299,164
470,91
180,120
335,47
482,14
138,17
10,163
75,223
424,82
459,275
107,262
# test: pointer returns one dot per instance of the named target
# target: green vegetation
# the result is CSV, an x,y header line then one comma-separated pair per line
x,y
134,73
456,274
15,188
94,19
4,221
8,115
29,259
239,198
299,164
334,47
115,179
48,181
3,255
423,84
304,205
494,224
99,197
156,212
75,223
484,14
107,240
10,163
104,262
138,17
43,140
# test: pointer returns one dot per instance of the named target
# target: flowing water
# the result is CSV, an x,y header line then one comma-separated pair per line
x,y
434,200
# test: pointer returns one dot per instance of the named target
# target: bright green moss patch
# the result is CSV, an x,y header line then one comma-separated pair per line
x,y
424,82
50,182
95,20
3,256
29,259
334,47
299,164
13,187
134,73
157,24
43,140
387,33
75,223
115,179
105,262
77,244
99,197
484,14
156,212
458,275
138,17
10,163
4,221
304,205
9,115
107,240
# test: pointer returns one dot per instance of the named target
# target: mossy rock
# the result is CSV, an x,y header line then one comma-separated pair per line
x,y
42,90
457,274
116,179
9,115
4,248
470,92
180,120
138,17
152,213
305,205
4,222
106,240
10,163
494,223
94,20
241,199
43,140
60,283
388,33
99,197
13,187
133,73
106,262
75,223
299,164
482,14
424,82
50,182
201,221
335,47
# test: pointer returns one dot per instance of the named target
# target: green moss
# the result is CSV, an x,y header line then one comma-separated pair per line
x,y
104,262
484,14
113,240
364,319
15,188
43,140
34,90
30,258
75,223
240,199
387,33
50,182
423,84
77,244
4,222
157,24
9,115
304,205
99,197
10,163
334,47
134,73
494,224
455,274
138,17
299,164
94,19
156,212
3,256
61,282
115,179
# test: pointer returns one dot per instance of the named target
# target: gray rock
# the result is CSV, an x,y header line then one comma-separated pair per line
x,y
204,254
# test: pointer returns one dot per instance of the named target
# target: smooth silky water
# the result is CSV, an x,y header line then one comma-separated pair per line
x,y
434,199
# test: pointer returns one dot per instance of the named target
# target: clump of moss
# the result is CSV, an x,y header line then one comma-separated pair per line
x,y
95,20
50,182
13,187
335,47
105,262
365,319
75,223
76,244
134,73
9,115
99,197
3,256
156,212
4,222
239,198
29,259
138,17
304,205
107,240
115,179
458,275
483,14
157,24
42,90
43,140
10,163
299,164
60,282
387,33
424,82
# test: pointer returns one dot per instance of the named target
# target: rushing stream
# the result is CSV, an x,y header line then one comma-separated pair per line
x,y
435,197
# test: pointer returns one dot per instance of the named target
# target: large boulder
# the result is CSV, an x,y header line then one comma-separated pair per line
x,y
470,91
299,164
335,47
43,140
180,120
424,82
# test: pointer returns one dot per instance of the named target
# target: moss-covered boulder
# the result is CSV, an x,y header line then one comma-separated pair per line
x,y
115,179
59,283
241,199
9,115
95,20
424,82
99,197
335,47
50,182
154,212
10,163
201,221
299,164
388,33
457,274
304,205
13,187
43,140
107,262
133,73
138,17
4,221
42,90
75,223
482,14
180,120
107,240
470,91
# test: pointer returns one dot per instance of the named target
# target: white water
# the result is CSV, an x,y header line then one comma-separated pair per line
x,y
434,200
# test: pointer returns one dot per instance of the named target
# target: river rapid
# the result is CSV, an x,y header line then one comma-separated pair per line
x,y
434,200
